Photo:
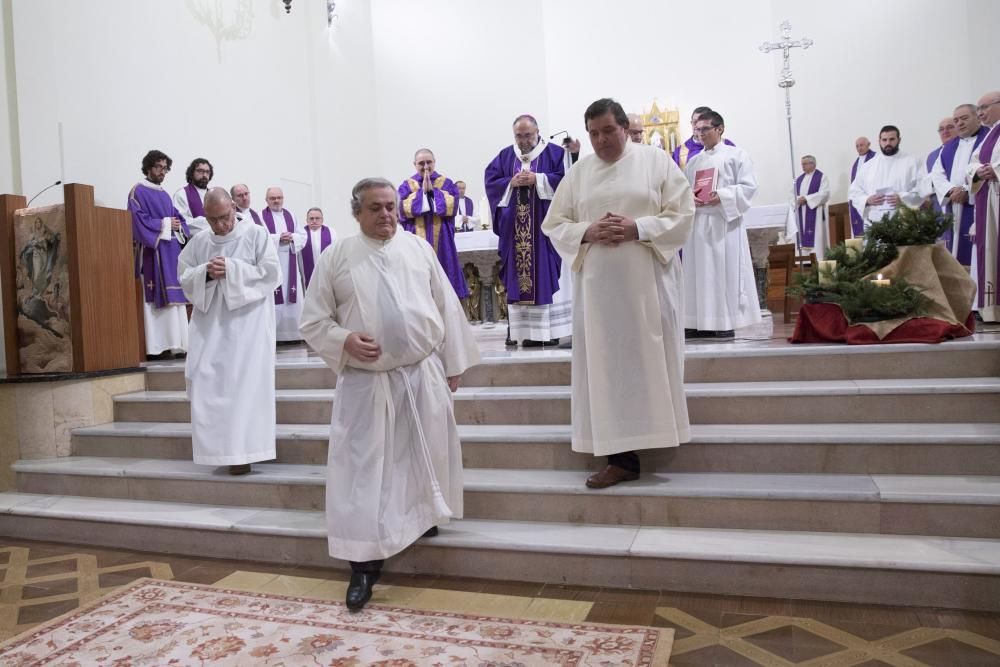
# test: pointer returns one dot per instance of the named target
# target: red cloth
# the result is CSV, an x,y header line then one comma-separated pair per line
x,y
825,323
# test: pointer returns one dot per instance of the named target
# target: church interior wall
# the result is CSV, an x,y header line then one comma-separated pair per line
x,y
283,99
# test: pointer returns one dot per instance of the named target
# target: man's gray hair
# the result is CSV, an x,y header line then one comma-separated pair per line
x,y
970,107
808,158
314,208
363,186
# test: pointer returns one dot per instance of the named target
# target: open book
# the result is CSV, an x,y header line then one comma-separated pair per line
x,y
705,181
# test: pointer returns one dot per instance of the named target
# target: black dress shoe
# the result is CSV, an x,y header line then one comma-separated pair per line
x,y
359,591
431,532
728,333
531,343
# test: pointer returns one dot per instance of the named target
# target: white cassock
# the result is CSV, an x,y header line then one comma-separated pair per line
x,y
720,292
395,460
898,174
815,201
627,301
941,184
230,362
988,275
288,314
196,224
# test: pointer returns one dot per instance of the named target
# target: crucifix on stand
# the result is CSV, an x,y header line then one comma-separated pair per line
x,y
786,81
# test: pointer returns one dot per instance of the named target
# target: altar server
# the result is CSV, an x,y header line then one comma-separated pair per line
x,y
618,219
382,314
159,232
229,274
890,179
189,200
520,183
982,179
289,238
720,293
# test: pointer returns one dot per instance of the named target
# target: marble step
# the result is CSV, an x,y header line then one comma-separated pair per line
x,y
963,506
704,362
863,568
818,401
944,449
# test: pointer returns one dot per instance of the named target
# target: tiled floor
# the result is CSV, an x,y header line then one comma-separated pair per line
x,y
39,581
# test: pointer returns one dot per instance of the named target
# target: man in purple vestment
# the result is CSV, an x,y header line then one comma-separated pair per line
x,y
190,200
427,208
466,219
520,183
946,132
947,180
319,237
691,146
985,186
241,199
158,231
812,190
864,148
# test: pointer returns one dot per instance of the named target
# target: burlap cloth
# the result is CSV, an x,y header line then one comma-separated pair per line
x,y
938,275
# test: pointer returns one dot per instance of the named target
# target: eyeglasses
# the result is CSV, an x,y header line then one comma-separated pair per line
x,y
203,171
704,129
984,107
161,167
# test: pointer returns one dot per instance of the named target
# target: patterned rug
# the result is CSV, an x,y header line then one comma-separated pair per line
x,y
153,622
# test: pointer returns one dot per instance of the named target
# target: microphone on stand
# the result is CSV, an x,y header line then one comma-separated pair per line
x,y
46,188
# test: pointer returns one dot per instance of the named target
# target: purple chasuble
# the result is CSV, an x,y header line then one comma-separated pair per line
x,y
986,151
857,222
431,216
807,216
155,259
308,261
194,201
965,245
293,261
529,264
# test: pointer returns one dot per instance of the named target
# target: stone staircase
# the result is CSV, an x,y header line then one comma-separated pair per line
x,y
858,474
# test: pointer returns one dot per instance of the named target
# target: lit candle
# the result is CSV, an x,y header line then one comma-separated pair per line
x,y
854,245
827,267
879,282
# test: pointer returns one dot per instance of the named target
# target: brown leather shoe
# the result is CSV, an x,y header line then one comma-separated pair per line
x,y
243,469
610,476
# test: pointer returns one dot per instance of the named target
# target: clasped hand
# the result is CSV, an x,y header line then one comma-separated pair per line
x,y
363,347
175,224
522,178
986,173
878,200
286,237
611,230
217,268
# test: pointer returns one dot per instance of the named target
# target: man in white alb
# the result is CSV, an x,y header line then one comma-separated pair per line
x,y
229,274
189,200
720,293
289,238
382,313
618,219
890,179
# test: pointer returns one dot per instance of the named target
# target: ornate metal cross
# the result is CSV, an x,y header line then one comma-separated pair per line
x,y
786,81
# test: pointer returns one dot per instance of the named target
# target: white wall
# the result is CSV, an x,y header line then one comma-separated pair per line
x,y
8,113
313,109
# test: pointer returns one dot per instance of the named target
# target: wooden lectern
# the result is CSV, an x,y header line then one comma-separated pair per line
x,y
103,318
840,223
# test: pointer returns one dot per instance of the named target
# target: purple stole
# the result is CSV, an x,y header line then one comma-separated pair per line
x,y
963,251
857,222
293,262
256,218
194,201
986,150
807,226
308,261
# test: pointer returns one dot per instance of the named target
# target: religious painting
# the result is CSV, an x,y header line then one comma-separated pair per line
x,y
660,127
44,336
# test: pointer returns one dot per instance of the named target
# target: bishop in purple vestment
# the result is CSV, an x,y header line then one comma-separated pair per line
x,y
520,183
158,231
427,209
863,146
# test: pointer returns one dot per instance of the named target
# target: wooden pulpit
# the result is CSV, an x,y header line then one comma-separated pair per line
x,y
67,275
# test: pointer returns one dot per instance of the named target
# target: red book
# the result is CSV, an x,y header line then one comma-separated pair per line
x,y
705,181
